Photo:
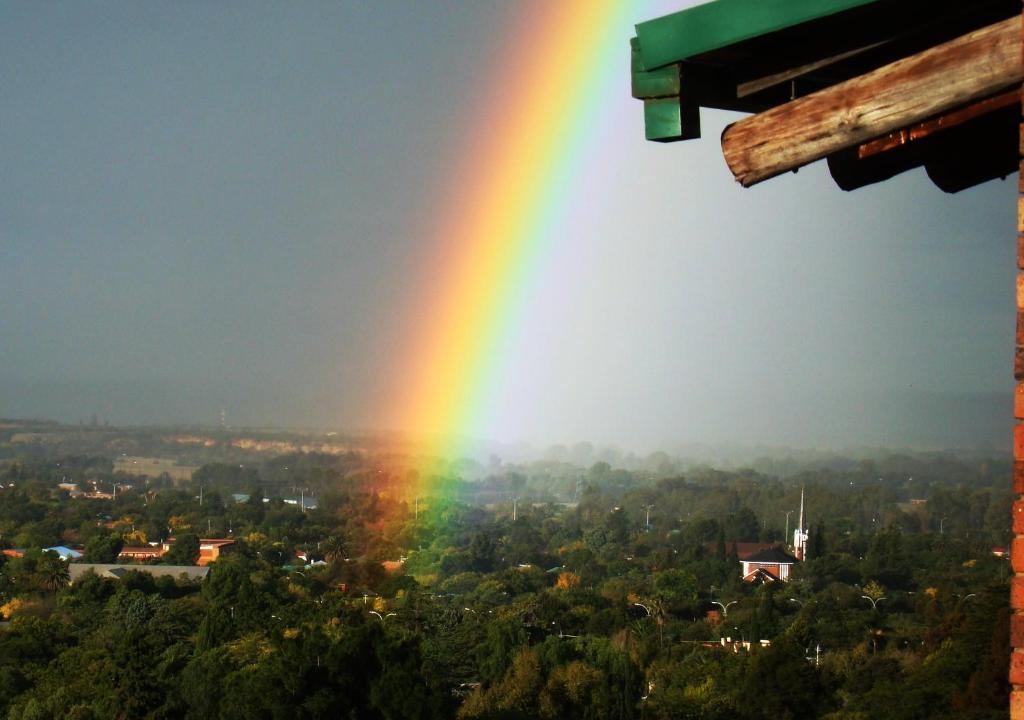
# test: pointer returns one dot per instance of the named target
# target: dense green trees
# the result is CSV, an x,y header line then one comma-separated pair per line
x,y
184,551
103,548
573,610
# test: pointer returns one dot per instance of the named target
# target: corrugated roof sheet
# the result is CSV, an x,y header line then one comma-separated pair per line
x,y
192,572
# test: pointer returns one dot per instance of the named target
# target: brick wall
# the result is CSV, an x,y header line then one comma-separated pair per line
x,y
1017,548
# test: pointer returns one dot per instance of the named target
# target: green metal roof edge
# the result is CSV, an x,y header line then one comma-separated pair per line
x,y
682,35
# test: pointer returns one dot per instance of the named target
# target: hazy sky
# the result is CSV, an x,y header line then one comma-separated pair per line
x,y
208,206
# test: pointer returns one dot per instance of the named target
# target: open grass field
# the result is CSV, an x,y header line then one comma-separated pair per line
x,y
153,467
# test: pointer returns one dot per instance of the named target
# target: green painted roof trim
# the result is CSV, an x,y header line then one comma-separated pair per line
x,y
682,35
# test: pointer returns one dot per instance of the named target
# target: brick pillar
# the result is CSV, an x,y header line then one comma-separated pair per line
x,y
1017,547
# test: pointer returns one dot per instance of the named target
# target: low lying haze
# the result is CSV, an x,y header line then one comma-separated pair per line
x,y
217,206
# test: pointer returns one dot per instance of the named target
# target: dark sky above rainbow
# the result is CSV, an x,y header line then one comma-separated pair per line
x,y
442,218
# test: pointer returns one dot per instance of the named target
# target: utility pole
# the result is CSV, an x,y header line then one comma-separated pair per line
x,y
514,501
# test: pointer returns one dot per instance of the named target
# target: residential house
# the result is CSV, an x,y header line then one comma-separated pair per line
x,y
140,553
66,554
768,566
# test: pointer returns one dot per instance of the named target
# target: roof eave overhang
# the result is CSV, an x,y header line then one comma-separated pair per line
x,y
739,55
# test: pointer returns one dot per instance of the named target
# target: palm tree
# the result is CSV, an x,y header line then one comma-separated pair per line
x,y
333,549
52,573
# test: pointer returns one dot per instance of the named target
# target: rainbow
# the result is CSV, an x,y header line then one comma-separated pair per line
x,y
499,224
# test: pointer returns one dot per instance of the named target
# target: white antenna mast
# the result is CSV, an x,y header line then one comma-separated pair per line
x,y
800,534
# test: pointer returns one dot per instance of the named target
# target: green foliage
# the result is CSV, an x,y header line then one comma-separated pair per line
x,y
677,589
532,618
482,553
103,548
184,551
886,559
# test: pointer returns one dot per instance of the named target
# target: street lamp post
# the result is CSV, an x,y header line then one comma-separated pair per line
x,y
659,621
560,633
817,654
725,607
873,601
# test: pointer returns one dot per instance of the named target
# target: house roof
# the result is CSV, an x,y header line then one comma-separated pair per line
x,y
65,552
772,555
204,541
307,503
216,542
114,570
743,550
760,575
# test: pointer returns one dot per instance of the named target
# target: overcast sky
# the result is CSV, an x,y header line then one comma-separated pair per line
x,y
207,206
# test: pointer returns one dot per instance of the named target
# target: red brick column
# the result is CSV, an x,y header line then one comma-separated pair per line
x,y
1017,548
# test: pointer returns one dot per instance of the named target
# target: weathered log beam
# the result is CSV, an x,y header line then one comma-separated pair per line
x,y
905,92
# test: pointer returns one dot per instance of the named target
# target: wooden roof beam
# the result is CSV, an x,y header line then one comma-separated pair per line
x,y
908,91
